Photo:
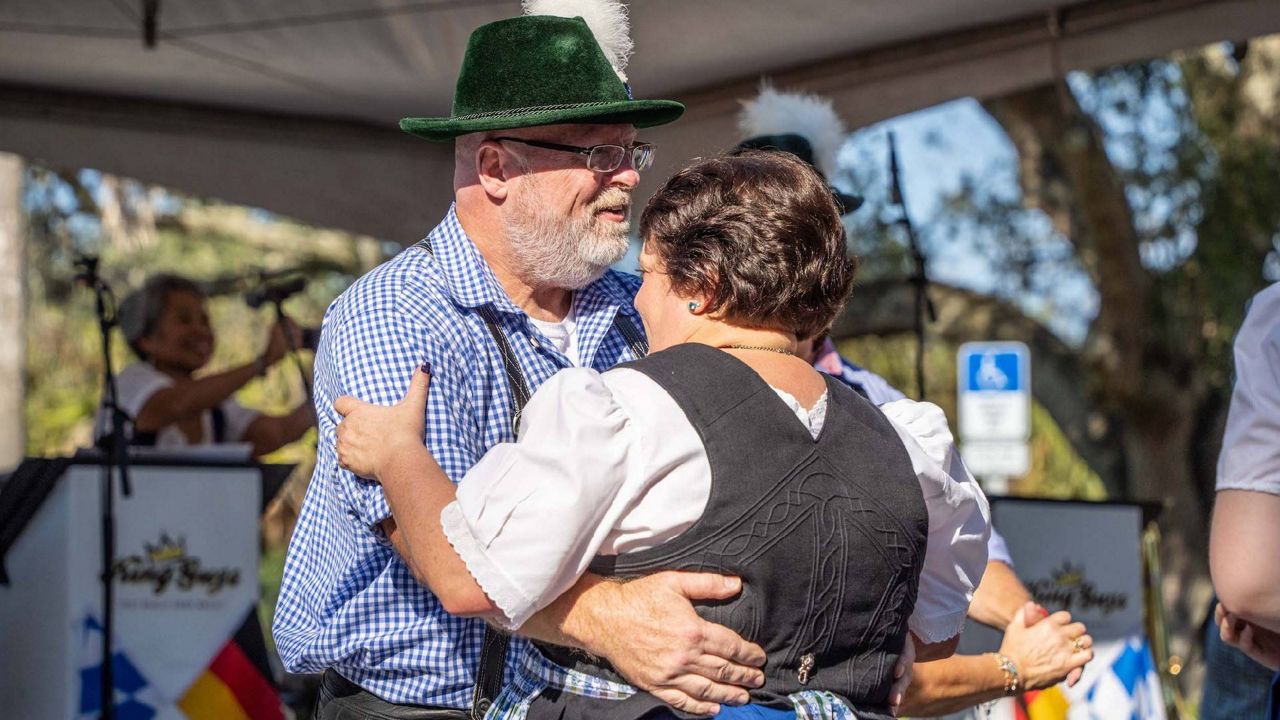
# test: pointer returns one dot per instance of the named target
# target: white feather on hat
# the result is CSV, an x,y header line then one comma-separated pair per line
x,y
608,22
773,112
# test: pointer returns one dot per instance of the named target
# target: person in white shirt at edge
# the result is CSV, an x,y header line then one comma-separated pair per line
x,y
743,254
1245,540
166,324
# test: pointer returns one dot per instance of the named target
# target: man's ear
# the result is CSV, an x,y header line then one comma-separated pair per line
x,y
494,169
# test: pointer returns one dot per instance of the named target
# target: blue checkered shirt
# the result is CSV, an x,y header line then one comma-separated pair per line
x,y
347,601
872,386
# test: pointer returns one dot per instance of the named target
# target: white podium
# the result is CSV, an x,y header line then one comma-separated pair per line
x,y
1086,558
185,577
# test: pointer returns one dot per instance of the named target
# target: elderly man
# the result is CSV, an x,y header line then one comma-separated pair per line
x,y
509,288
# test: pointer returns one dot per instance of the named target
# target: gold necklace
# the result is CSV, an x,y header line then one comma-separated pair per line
x,y
766,348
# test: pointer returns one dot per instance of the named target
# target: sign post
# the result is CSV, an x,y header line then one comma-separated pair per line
x,y
994,405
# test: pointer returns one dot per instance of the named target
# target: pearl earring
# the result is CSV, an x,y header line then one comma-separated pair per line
x,y
693,306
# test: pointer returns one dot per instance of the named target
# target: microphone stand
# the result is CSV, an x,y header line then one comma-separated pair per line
x,y
281,319
116,456
920,279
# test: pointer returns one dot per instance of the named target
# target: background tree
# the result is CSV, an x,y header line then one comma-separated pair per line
x,y
139,231
1159,184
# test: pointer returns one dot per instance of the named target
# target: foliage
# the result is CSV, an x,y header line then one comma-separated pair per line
x,y
1143,197
1057,471
206,242
69,214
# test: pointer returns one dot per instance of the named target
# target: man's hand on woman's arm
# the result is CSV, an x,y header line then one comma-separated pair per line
x,y
648,630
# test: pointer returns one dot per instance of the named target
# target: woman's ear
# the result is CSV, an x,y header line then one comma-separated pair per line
x,y
705,299
493,169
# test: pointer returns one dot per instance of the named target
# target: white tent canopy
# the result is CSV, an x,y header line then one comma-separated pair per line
x,y
292,107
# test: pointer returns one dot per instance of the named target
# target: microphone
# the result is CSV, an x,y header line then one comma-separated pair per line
x,y
895,189
274,292
86,269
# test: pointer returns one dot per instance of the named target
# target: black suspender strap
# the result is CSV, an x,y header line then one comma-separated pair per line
x,y
520,392
639,346
493,650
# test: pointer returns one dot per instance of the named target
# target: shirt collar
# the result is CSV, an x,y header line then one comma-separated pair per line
x,y
828,360
470,281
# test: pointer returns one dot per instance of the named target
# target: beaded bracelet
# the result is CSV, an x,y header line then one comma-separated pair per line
x,y
1010,674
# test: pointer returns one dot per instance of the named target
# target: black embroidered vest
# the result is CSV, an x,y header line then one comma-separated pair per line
x,y
828,536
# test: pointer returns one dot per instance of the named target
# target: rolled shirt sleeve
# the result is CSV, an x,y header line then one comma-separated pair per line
x,y
238,418
959,521
137,383
373,355
998,549
1250,458
532,514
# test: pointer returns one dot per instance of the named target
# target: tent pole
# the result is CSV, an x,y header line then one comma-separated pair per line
x,y
13,334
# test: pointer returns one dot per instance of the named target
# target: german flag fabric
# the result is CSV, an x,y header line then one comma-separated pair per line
x,y
237,684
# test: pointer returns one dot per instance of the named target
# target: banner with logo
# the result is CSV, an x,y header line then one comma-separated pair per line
x,y
186,581
1084,558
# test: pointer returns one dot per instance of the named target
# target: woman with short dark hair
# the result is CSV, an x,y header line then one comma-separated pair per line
x,y
722,451
755,235
166,324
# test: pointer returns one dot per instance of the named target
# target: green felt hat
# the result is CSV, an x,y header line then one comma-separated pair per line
x,y
538,70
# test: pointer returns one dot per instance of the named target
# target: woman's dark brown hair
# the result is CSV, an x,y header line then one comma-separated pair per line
x,y
759,234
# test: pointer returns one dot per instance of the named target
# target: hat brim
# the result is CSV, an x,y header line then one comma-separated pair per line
x,y
845,202
640,113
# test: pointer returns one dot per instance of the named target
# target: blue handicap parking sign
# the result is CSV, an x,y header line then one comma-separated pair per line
x,y
994,371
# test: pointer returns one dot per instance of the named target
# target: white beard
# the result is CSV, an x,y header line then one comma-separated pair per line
x,y
551,250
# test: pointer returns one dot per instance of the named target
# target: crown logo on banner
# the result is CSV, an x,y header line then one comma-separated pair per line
x,y
1068,574
167,549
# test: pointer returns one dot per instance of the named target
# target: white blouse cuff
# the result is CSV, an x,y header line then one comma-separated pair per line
x,y
515,606
937,628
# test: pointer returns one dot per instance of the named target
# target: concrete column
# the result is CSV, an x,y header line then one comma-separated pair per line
x,y
13,335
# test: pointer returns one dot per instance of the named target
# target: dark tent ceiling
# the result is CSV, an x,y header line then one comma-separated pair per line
x,y
292,106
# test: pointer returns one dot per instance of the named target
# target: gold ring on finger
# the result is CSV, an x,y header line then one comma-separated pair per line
x,y
1078,643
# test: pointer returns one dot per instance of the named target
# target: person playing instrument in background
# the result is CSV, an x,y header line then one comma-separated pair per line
x,y
166,324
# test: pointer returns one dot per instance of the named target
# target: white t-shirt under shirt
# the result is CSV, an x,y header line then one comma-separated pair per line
x,y
529,517
138,382
562,335
1250,458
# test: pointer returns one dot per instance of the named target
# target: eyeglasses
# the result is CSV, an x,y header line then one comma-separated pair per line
x,y
600,158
